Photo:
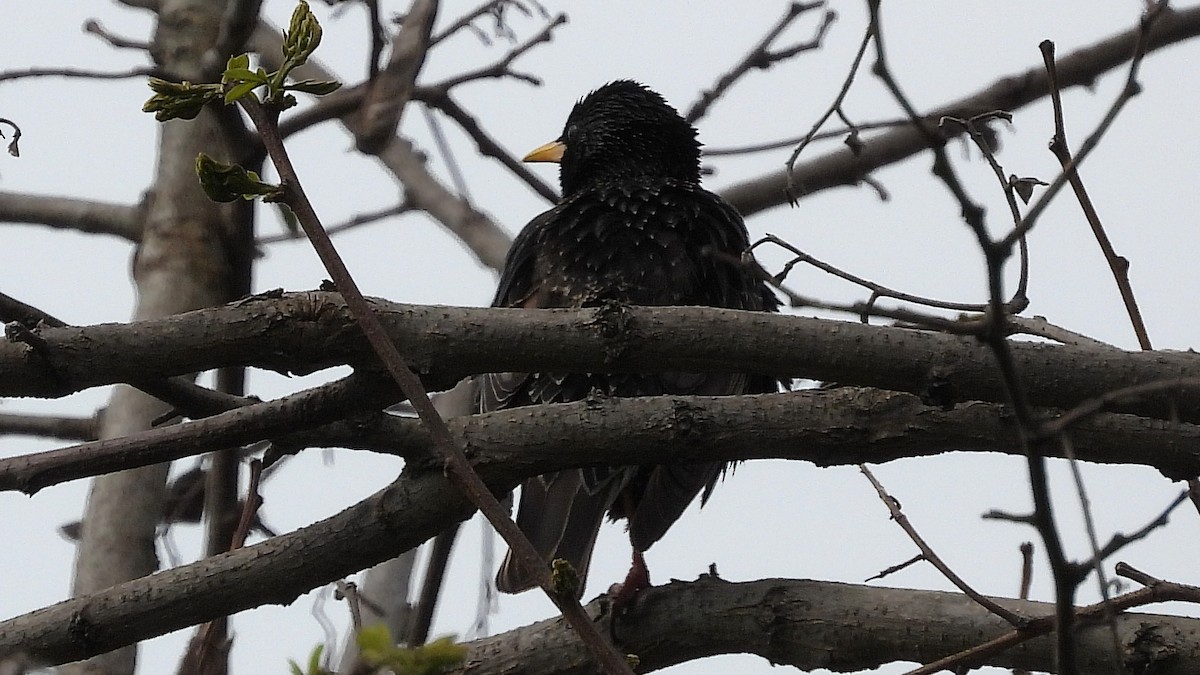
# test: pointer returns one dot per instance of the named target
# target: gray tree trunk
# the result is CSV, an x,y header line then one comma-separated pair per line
x,y
182,263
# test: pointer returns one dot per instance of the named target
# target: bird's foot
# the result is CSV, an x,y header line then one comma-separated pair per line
x,y
624,593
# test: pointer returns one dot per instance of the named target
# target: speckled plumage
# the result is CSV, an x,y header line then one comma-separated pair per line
x,y
634,226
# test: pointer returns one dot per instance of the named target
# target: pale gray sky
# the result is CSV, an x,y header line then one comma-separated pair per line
x,y
89,139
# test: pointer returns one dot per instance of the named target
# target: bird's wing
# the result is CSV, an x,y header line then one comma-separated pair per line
x,y
517,284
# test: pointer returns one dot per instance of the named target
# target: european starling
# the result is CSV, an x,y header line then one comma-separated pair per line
x,y
634,226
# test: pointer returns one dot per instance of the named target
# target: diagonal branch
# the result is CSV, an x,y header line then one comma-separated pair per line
x,y
477,230
846,167
389,91
762,57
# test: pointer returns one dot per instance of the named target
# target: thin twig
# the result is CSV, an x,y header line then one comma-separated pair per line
x,y
1040,327
431,586
439,139
1061,150
1019,300
1130,89
1155,592
377,38
995,337
896,568
82,73
491,6
238,22
250,508
1052,428
710,151
46,426
790,164
893,506
365,218
29,316
1096,564
1120,541
96,28
489,147
501,68
761,56
877,290
1026,570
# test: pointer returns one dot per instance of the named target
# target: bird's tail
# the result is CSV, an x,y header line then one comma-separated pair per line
x,y
561,518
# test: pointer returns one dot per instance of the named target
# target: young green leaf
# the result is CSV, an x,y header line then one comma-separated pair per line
x,y
243,89
302,36
317,87
179,100
230,182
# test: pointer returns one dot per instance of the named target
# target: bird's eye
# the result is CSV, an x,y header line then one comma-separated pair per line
x,y
572,129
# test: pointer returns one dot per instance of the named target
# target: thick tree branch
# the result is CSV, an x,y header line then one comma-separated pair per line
x,y
837,427
304,332
793,622
847,167
414,508
278,570
785,621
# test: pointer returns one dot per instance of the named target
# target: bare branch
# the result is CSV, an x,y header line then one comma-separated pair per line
x,y
489,147
25,73
836,106
474,228
836,427
359,220
1012,92
389,91
821,136
877,290
237,25
96,28
501,68
45,426
1058,145
28,316
282,332
64,213
762,57
927,553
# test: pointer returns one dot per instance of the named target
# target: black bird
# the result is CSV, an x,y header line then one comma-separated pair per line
x,y
633,226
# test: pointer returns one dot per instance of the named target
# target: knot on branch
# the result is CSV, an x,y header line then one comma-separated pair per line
x,y
614,323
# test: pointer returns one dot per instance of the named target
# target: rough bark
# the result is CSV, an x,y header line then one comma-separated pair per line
x,y
839,427
304,332
839,627
181,263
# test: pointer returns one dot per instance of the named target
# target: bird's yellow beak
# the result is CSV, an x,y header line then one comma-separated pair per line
x,y
550,152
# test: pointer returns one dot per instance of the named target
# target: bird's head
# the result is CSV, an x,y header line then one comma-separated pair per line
x,y
622,131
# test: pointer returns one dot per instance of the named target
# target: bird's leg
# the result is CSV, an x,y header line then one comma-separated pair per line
x,y
623,594
638,578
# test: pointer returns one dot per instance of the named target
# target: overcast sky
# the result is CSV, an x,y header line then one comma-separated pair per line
x,y
89,139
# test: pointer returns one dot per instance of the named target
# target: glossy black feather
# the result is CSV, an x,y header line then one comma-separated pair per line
x,y
635,227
